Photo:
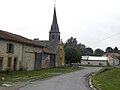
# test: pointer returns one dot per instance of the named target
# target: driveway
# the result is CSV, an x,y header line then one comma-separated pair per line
x,y
70,81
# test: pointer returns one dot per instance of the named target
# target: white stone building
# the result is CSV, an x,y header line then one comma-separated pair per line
x,y
94,60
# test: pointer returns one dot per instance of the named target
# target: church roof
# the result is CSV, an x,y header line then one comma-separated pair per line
x,y
47,44
54,26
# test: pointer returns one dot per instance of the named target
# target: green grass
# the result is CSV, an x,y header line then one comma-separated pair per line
x,y
22,76
108,79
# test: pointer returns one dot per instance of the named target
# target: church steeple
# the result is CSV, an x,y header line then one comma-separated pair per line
x,y
54,34
54,26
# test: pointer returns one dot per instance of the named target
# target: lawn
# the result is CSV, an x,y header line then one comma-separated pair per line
x,y
22,76
107,79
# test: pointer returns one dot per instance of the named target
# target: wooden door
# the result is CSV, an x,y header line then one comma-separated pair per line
x,y
38,61
15,64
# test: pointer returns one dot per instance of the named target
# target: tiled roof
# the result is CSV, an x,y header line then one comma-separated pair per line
x,y
113,55
47,44
42,42
17,38
46,50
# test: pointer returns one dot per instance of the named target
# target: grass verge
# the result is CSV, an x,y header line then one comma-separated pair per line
x,y
23,76
107,79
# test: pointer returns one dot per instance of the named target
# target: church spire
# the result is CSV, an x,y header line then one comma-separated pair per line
x,y
54,34
54,26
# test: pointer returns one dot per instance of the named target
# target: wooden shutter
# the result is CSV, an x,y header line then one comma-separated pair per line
x,y
7,50
12,48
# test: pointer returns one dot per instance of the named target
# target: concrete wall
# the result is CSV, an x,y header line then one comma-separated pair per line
x,y
85,62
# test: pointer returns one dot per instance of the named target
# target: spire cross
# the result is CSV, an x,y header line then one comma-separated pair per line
x,y
54,3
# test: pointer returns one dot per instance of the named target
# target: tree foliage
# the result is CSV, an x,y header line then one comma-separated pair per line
x,y
72,55
73,50
89,51
116,50
98,52
109,50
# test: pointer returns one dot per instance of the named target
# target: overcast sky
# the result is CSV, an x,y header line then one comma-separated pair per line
x,y
95,23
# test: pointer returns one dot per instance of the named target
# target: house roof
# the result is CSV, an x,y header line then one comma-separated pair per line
x,y
17,38
94,58
113,55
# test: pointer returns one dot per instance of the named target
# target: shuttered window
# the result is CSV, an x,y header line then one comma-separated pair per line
x,y
10,48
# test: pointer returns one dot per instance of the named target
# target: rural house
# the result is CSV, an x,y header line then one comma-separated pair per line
x,y
17,52
114,58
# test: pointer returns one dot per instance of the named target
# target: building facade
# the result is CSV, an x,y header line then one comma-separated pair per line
x,y
17,52
94,60
114,59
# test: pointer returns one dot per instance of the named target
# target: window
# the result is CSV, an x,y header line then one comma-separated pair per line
x,y
10,48
53,36
100,64
59,37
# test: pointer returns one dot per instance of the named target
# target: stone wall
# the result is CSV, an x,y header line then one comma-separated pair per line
x,y
24,55
60,56
3,53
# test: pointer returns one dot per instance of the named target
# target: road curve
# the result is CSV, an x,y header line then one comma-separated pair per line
x,y
70,81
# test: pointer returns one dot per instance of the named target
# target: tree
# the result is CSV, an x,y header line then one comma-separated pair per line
x,y
73,50
98,52
72,55
82,49
71,42
116,50
89,51
109,50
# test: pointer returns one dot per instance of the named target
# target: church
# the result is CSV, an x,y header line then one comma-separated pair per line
x,y
54,44
20,53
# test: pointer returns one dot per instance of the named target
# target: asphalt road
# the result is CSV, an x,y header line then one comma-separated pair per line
x,y
70,81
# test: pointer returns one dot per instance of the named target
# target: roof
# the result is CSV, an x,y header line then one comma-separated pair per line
x,y
17,38
113,55
94,58
46,50
42,42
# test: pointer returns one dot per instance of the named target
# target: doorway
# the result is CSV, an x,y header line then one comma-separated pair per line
x,y
1,61
15,64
